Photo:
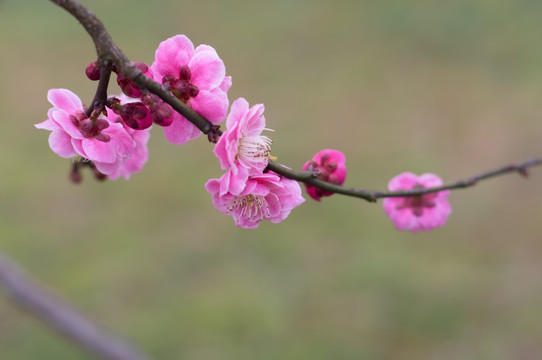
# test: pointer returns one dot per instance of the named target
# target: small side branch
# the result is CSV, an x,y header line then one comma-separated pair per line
x,y
98,103
52,311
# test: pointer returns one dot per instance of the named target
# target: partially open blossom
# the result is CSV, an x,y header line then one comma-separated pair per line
x,y
141,152
242,148
134,114
416,213
107,144
195,76
329,166
265,197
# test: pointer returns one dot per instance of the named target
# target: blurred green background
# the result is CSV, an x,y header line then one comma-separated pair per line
x,y
450,87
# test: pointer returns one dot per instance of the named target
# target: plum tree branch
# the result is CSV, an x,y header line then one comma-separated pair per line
x,y
107,50
35,299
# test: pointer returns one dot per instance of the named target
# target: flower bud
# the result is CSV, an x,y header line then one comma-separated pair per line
x,y
329,166
93,71
75,174
136,116
161,114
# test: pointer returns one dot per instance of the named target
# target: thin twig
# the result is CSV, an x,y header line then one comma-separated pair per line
x,y
54,312
98,103
372,196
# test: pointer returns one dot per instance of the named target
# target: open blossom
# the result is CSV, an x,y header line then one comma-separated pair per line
x,y
195,76
265,197
242,148
415,213
141,151
107,144
329,165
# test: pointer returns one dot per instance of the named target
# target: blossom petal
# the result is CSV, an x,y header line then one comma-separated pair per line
x,y
238,108
180,131
403,181
99,151
121,141
60,143
234,184
171,54
48,125
62,118
108,168
207,69
65,99
430,180
212,105
78,146
254,121
226,84
212,185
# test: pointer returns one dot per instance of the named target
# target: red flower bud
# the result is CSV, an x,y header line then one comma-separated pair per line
x,y
93,71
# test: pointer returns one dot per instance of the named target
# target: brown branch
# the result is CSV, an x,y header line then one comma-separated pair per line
x,y
107,50
97,105
55,313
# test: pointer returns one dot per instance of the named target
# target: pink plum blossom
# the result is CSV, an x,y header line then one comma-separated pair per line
x,y
415,213
329,165
107,144
242,148
266,196
141,151
195,76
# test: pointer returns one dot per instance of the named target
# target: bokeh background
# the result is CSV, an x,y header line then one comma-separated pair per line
x,y
450,87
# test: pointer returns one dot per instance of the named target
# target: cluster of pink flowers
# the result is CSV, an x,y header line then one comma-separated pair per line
x,y
115,144
113,141
245,191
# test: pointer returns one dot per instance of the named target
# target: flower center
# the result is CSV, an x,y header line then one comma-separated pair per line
x,y
249,206
181,86
254,149
90,128
418,203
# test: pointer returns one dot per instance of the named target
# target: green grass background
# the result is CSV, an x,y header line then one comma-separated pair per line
x,y
450,87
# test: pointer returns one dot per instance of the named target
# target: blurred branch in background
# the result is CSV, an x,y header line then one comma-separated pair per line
x,y
58,315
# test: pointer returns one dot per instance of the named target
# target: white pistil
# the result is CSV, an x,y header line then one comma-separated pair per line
x,y
254,149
